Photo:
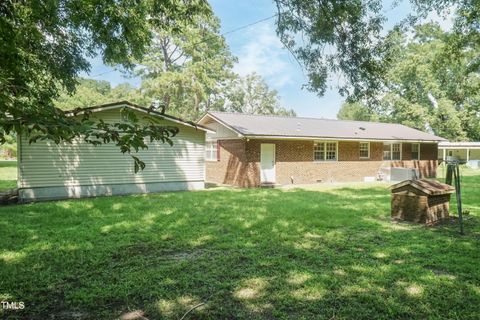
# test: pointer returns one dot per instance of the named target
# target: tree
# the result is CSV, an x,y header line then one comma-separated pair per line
x,y
9,148
45,45
356,111
251,94
186,70
90,92
345,38
429,86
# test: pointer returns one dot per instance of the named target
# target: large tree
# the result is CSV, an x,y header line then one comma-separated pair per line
x,y
251,94
347,40
44,45
186,70
356,111
429,86
90,92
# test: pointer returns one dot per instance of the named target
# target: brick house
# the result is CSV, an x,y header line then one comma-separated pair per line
x,y
250,150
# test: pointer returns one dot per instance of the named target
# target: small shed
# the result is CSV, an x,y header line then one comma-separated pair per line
x,y
421,201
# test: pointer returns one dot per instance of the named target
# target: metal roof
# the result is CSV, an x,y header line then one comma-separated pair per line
x,y
250,125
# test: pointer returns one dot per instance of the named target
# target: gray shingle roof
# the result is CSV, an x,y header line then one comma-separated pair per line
x,y
282,126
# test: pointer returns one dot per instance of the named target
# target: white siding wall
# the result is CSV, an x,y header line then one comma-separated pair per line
x,y
45,164
221,132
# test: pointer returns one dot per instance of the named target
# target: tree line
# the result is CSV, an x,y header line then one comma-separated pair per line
x,y
189,72
429,86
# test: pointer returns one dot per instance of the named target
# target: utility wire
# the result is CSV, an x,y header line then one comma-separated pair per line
x,y
206,40
250,24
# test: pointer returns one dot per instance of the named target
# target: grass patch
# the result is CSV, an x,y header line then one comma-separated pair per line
x,y
247,254
8,175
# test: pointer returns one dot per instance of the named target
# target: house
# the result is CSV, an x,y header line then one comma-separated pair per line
x,y
463,151
50,171
251,150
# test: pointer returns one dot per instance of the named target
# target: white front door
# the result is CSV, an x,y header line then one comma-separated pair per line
x,y
267,162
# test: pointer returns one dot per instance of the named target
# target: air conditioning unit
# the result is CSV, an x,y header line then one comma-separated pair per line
x,y
401,174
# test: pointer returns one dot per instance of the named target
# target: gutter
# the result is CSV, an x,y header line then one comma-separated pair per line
x,y
336,139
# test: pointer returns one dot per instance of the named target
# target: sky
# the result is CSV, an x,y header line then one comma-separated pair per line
x,y
259,50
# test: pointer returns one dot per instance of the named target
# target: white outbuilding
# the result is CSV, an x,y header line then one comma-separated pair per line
x,y
47,170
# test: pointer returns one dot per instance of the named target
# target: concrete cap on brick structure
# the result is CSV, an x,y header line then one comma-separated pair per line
x,y
271,126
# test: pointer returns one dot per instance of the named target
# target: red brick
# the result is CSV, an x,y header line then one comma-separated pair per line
x,y
239,162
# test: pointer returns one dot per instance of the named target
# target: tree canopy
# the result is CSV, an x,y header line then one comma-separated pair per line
x,y
46,44
347,39
429,86
251,94
186,70
90,92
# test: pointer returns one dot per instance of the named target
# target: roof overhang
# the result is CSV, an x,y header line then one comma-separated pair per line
x,y
127,104
459,145
209,115
459,148
336,138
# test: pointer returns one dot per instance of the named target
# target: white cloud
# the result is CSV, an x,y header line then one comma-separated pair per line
x,y
264,54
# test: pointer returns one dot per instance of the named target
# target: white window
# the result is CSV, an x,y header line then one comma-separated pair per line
x,y
325,151
416,151
211,151
392,151
364,150
319,151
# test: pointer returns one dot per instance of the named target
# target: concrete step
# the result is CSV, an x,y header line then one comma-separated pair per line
x,y
269,185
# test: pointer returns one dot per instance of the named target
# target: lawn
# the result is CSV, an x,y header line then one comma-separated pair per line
x,y
8,175
330,253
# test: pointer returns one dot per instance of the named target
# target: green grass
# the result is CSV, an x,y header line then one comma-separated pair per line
x,y
325,254
8,175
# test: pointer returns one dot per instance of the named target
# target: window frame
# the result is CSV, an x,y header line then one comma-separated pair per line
x,y
360,149
418,151
400,146
211,148
324,143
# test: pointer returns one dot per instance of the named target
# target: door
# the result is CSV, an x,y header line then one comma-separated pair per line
x,y
267,162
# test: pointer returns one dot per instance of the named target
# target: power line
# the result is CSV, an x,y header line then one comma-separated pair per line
x,y
249,25
222,34
101,74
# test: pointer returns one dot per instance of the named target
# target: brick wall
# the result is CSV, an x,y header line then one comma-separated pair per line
x,y
428,151
406,151
240,162
233,167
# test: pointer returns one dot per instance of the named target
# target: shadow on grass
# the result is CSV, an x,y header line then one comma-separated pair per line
x,y
245,253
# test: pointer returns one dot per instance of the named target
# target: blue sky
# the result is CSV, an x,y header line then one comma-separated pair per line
x,y
259,50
